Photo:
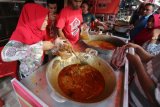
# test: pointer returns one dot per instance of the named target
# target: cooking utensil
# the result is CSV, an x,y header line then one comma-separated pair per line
x,y
80,60
57,64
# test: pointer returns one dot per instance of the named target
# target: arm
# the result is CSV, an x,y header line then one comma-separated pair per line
x,y
101,23
60,24
144,55
61,34
15,50
146,82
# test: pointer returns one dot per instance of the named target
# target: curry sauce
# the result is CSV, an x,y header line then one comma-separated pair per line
x,y
81,82
102,44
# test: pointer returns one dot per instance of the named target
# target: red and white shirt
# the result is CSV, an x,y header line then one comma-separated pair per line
x,y
69,20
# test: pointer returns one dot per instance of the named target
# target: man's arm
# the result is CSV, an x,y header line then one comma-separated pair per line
x,y
61,34
101,24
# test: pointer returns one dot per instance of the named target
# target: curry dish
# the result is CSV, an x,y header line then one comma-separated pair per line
x,y
102,44
82,83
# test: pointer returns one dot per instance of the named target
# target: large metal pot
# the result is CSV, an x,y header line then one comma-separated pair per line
x,y
57,64
113,40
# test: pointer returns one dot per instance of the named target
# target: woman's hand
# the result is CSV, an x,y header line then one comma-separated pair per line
x,y
155,34
47,45
63,44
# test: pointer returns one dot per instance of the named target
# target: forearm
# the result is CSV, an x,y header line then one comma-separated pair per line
x,y
146,82
15,50
99,23
60,33
11,51
144,55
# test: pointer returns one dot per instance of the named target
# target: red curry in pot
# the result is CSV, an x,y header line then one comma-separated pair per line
x,y
81,82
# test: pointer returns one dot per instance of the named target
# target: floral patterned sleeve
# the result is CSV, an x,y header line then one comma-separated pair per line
x,y
15,50
153,48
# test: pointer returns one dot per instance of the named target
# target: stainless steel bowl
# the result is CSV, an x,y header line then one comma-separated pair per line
x,y
113,40
57,64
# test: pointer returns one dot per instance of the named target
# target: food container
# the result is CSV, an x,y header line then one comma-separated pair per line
x,y
105,38
57,64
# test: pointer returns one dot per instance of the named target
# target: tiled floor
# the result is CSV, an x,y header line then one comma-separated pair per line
x,y
7,93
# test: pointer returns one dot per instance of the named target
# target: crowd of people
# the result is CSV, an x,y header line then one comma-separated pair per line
x,y
144,64
39,27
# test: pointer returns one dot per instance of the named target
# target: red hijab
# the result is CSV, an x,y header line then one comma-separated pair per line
x,y
28,30
156,20
146,35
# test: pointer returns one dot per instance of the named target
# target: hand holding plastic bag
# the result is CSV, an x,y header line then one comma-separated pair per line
x,y
62,48
59,42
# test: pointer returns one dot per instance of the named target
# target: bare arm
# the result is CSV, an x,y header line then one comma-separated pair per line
x,y
15,50
61,34
101,24
146,82
144,55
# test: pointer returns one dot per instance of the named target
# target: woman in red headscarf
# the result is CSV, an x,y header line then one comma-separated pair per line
x,y
147,33
149,36
29,40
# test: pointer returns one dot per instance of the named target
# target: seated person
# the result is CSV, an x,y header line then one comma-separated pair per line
x,y
89,18
146,33
145,87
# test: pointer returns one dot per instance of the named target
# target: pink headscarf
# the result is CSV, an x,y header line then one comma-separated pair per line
x,y
156,20
28,29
